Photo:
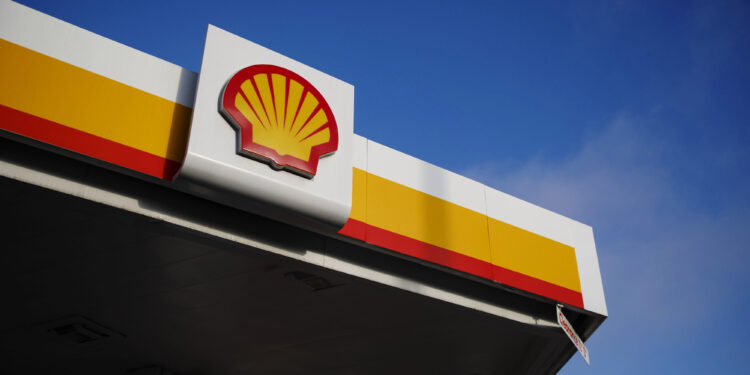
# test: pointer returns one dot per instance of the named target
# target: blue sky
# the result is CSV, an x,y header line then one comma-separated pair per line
x,y
630,116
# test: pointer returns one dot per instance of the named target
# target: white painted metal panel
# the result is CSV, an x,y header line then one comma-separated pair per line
x,y
359,149
212,161
588,268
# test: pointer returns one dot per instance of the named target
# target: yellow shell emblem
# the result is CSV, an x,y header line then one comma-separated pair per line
x,y
280,118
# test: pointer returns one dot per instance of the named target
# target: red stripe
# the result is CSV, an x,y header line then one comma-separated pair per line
x,y
428,252
444,257
537,286
354,229
43,130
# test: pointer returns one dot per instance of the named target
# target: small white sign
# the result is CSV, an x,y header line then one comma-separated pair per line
x,y
572,335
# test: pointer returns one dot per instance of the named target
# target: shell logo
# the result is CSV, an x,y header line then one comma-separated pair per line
x,y
280,118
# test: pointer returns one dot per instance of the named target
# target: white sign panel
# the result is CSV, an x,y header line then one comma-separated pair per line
x,y
269,134
572,335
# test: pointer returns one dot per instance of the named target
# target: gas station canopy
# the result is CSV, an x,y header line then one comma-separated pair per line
x,y
162,221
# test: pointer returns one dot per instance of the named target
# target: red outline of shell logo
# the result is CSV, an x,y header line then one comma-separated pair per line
x,y
280,118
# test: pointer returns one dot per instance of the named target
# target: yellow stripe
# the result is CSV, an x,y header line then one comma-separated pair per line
x,y
414,214
533,255
359,196
51,89
420,216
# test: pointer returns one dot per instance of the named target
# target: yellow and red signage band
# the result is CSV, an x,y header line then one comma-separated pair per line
x,y
411,222
60,104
